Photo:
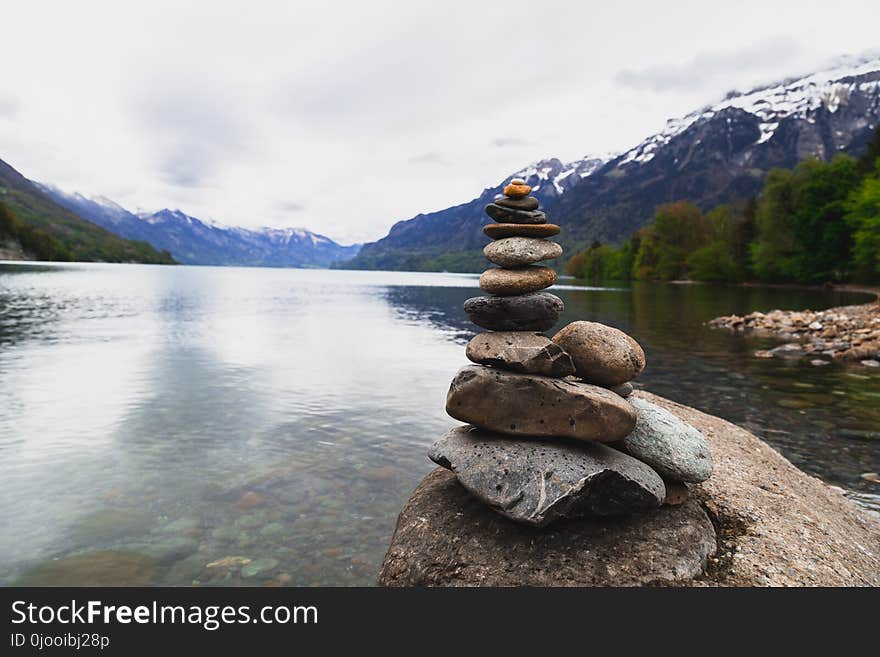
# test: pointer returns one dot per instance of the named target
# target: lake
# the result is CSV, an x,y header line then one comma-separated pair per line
x,y
155,420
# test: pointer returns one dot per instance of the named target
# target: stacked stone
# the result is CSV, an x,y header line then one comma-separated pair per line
x,y
552,430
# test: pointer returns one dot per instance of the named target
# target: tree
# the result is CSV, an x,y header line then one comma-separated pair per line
x,y
678,229
35,242
824,239
801,232
775,243
863,217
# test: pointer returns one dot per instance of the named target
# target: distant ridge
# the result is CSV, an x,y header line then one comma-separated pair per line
x,y
196,241
80,239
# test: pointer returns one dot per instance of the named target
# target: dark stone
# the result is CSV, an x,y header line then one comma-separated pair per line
x,y
510,216
446,537
527,203
528,312
532,406
539,481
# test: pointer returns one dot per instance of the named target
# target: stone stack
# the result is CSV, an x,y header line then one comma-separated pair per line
x,y
552,431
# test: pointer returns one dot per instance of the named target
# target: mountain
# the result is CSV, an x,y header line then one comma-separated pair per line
x,y
77,238
719,153
453,239
195,241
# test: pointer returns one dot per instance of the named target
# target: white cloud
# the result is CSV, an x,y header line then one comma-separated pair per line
x,y
346,117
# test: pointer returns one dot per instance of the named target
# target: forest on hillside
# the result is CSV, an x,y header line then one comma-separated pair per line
x,y
816,223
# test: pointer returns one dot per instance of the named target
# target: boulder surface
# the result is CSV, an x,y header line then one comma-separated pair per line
x,y
446,537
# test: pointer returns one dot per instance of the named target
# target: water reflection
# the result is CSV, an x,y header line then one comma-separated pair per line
x,y
271,423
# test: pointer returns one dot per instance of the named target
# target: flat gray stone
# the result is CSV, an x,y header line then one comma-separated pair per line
x,y
675,449
516,351
521,251
539,481
447,537
538,311
537,406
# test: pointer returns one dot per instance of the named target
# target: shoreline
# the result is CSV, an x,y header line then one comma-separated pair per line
x,y
841,333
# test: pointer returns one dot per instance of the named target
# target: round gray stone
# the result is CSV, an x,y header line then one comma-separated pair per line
x,y
602,354
539,481
671,446
521,251
538,311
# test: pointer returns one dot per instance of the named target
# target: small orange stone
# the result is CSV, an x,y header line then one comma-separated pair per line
x,y
517,191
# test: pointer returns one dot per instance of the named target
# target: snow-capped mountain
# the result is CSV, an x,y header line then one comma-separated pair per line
x,y
196,241
555,177
799,98
719,153
432,241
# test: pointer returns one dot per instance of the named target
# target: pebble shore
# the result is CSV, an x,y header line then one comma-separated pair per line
x,y
845,333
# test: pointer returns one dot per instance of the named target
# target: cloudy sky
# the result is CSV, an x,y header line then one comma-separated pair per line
x,y
345,117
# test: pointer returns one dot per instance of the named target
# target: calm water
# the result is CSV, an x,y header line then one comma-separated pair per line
x,y
155,420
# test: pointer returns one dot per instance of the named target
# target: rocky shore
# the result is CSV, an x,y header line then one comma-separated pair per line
x,y
758,521
846,333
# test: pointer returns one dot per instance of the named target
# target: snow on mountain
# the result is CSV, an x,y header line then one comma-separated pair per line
x,y
798,98
551,178
197,241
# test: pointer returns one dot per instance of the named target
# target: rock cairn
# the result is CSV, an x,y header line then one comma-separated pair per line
x,y
552,431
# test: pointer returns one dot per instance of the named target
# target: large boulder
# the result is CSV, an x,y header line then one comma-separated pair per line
x,y
539,481
538,406
774,525
446,537
602,354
